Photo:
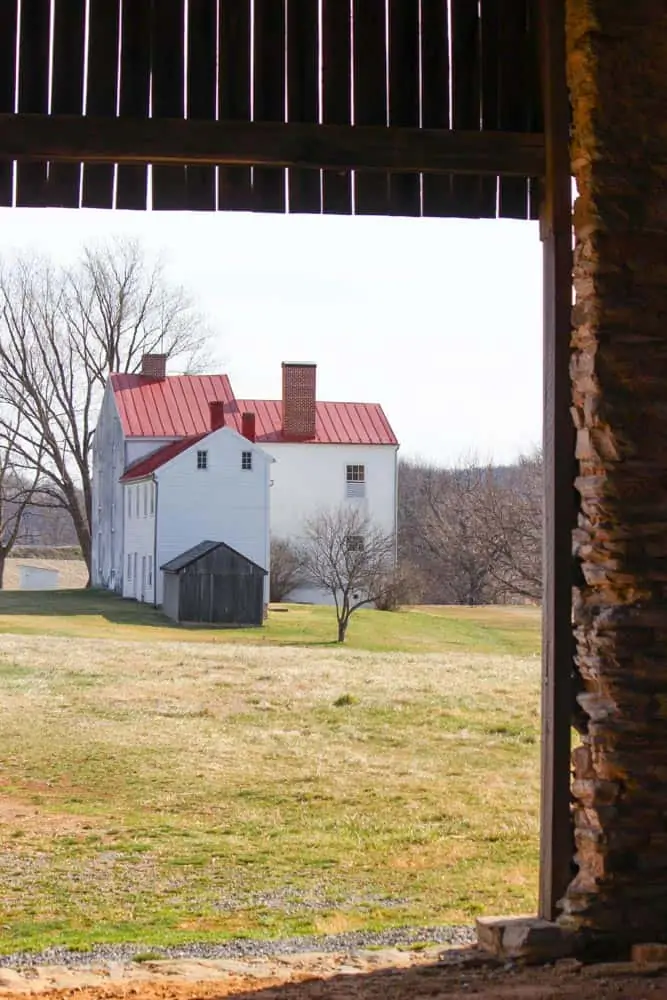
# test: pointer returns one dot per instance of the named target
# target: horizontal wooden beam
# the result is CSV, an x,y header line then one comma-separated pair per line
x,y
76,138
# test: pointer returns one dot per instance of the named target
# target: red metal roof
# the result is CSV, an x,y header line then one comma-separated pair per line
x,y
336,423
176,406
145,466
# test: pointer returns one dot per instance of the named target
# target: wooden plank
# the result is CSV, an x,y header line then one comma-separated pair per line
x,y
132,182
67,92
102,93
436,191
33,95
369,65
8,28
202,89
168,92
490,29
556,838
336,96
335,147
304,186
268,184
404,189
234,190
466,96
514,98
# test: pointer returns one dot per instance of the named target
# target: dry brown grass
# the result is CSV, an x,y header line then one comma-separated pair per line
x,y
219,786
73,573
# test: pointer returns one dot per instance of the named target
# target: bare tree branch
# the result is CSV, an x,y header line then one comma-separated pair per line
x,y
349,557
62,331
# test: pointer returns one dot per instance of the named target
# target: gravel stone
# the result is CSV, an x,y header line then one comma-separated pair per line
x,y
243,948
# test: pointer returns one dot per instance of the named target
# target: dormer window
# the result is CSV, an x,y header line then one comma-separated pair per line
x,y
202,460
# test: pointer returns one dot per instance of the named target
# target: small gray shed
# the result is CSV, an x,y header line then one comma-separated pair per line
x,y
214,583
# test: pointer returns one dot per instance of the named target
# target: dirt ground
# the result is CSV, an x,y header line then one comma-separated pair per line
x,y
387,975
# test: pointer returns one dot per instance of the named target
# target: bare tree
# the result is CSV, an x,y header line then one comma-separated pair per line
x,y
16,493
286,569
348,556
62,331
510,512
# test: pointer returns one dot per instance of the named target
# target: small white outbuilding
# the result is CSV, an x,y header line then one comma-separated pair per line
x,y
38,578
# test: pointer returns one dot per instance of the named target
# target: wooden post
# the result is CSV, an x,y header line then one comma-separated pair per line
x,y
556,842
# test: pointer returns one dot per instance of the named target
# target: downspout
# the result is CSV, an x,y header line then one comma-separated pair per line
x,y
396,506
155,604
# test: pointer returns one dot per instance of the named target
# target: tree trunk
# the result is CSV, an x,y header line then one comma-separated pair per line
x,y
3,560
617,77
342,629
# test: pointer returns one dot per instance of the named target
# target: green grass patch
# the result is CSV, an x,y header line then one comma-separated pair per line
x,y
99,615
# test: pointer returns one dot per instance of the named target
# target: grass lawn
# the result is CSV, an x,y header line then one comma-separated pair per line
x,y
161,785
97,614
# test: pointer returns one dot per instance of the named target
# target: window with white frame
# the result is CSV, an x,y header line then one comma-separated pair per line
x,y
355,481
355,543
129,567
129,501
151,490
144,490
202,460
149,572
246,461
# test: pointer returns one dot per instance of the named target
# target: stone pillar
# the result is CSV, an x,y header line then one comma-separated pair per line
x,y
617,71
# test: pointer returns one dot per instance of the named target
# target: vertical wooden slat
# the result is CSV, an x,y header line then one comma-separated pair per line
x,y
102,93
67,93
33,96
404,189
304,186
466,78
269,96
234,190
371,190
514,97
536,119
8,27
336,96
489,84
202,87
556,839
168,68
131,188
437,196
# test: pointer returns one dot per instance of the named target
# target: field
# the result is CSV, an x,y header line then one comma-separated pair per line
x,y
72,571
160,785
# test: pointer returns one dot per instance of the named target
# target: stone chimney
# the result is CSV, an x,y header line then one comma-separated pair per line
x,y
248,426
216,411
154,366
299,400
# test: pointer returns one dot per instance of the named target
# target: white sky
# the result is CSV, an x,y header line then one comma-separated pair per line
x,y
437,320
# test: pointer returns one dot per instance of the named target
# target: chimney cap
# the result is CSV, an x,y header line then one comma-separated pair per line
x,y
299,364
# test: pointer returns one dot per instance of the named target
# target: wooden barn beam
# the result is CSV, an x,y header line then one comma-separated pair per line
x,y
75,138
556,839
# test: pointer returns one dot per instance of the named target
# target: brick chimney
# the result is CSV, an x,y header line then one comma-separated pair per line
x,y
154,366
248,426
299,400
216,410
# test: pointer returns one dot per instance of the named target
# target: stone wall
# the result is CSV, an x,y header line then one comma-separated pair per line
x,y
617,69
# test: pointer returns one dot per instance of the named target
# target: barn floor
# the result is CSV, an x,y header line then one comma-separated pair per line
x,y
367,976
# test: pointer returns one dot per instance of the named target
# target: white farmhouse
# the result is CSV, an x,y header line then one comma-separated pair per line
x,y
178,459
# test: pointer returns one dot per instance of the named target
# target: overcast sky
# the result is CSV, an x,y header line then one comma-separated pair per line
x,y
437,320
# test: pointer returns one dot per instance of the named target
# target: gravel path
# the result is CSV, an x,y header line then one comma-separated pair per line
x,y
243,948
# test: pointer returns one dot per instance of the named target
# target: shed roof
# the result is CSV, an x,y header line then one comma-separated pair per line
x,y
198,551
